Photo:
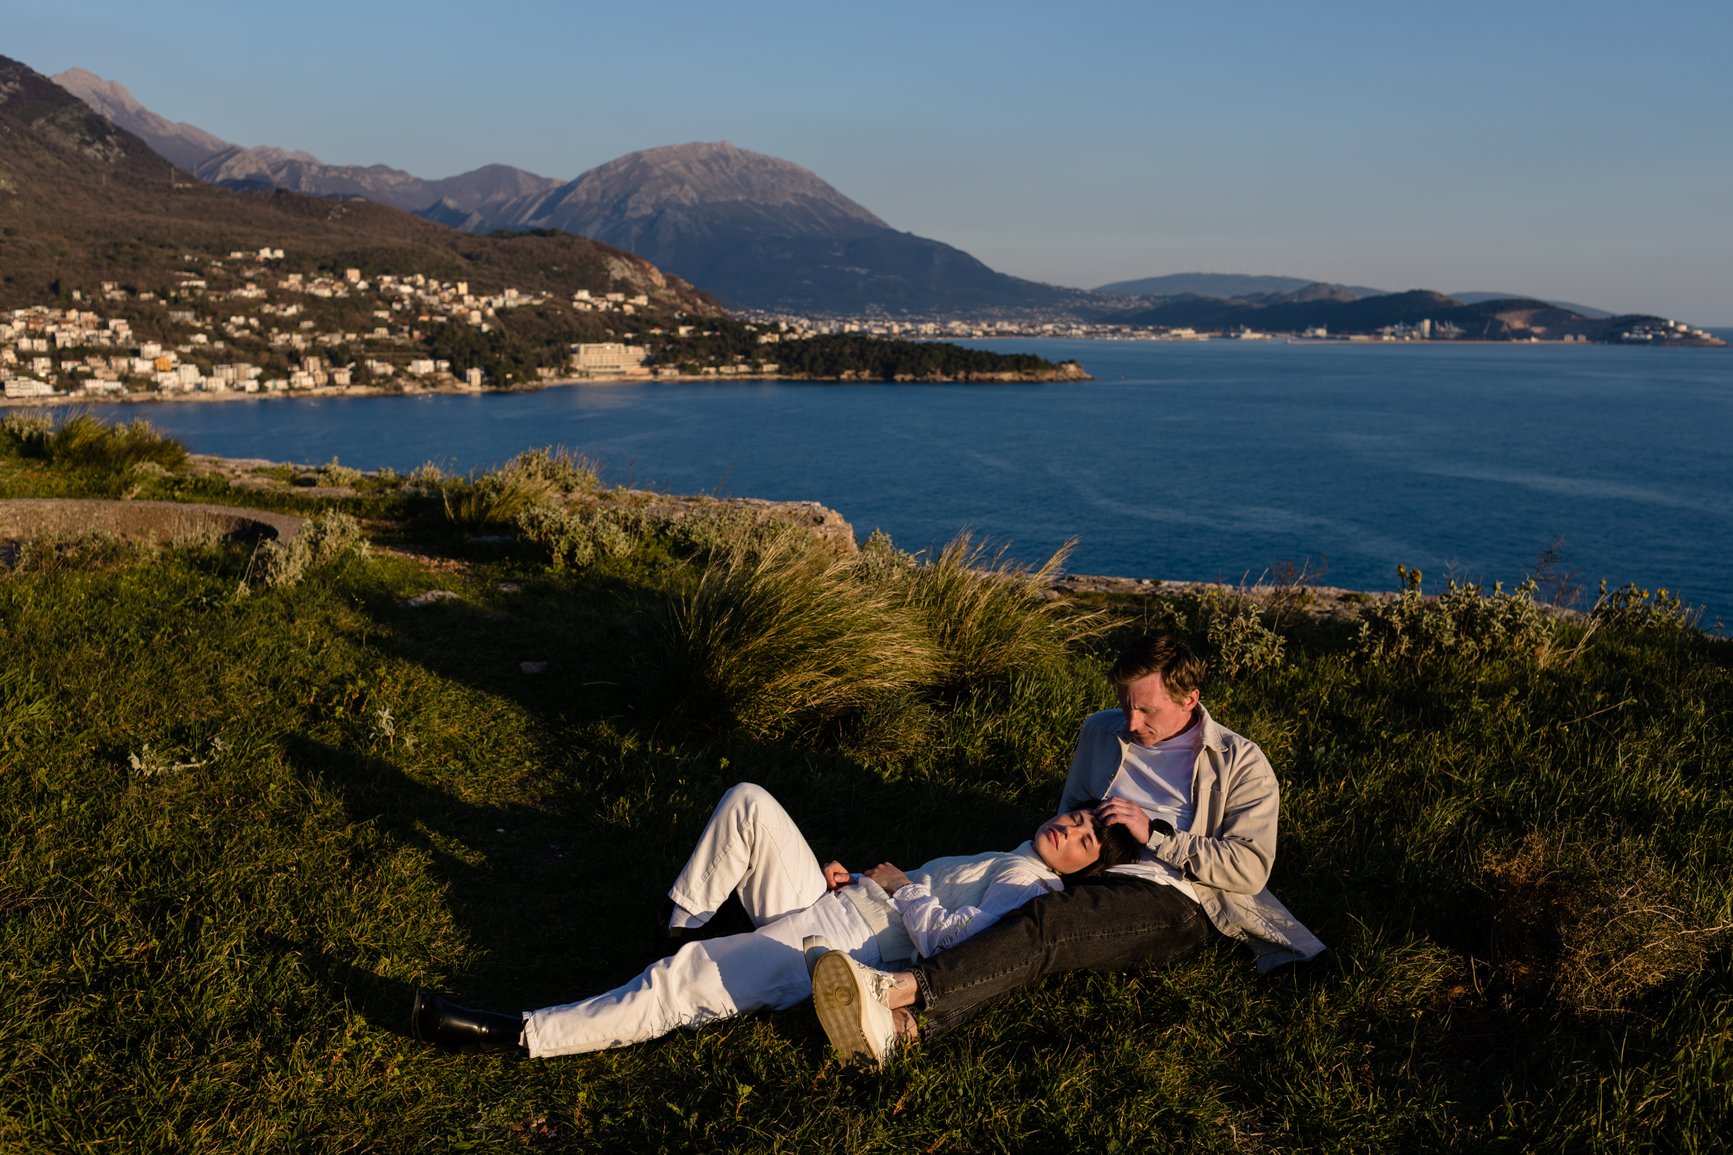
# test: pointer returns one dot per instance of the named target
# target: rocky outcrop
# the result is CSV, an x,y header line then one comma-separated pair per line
x,y
34,519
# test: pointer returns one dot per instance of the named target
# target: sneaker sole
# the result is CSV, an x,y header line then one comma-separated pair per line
x,y
837,997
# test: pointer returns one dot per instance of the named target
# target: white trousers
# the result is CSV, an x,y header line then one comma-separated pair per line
x,y
752,848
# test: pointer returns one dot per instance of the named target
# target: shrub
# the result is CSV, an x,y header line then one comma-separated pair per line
x,y
1239,641
424,480
1463,622
782,639
337,474
1226,627
728,527
987,614
1630,609
562,470
881,561
576,538
324,539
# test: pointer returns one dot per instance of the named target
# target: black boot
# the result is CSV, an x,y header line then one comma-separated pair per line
x,y
453,1028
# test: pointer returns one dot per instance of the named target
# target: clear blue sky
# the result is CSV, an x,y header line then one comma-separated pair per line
x,y
1581,151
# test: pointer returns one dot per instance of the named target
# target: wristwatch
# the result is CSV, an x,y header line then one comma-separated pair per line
x,y
1159,826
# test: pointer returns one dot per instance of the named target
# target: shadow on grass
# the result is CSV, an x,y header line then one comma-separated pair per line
x,y
547,886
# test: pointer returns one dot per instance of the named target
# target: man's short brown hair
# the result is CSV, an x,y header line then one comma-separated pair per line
x,y
1181,670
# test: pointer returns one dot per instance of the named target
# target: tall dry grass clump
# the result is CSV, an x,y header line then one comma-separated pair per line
x,y
86,442
988,615
784,638
26,434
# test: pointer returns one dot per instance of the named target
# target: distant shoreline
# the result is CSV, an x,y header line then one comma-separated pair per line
x,y
454,389
458,389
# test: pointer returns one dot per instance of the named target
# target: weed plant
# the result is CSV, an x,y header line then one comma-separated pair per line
x,y
324,539
235,832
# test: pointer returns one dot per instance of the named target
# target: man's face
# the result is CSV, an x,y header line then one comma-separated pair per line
x,y
1152,716
1067,842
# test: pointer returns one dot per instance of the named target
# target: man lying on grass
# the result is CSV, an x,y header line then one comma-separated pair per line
x,y
752,849
1202,803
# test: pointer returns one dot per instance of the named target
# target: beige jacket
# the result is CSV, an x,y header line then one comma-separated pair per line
x,y
1228,852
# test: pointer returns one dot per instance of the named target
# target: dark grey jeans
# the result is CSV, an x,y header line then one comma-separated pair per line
x,y
1107,923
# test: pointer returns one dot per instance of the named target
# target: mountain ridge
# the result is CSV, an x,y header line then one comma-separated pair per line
x,y
86,201
218,161
758,231
764,233
186,145
1221,285
795,245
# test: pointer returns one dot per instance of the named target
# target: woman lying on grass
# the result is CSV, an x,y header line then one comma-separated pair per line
x,y
751,848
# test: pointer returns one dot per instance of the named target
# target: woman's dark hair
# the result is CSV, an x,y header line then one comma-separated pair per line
x,y
1118,847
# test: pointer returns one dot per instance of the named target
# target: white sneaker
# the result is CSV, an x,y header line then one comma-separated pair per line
x,y
853,1005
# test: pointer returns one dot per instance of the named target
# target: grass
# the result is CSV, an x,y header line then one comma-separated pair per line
x,y
238,829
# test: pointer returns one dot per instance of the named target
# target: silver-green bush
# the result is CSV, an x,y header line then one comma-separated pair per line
x,y
1463,622
324,539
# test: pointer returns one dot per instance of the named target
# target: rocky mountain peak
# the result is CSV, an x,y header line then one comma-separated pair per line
x,y
704,174
185,145
97,92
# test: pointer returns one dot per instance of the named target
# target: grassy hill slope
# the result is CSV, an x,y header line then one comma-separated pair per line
x,y
249,800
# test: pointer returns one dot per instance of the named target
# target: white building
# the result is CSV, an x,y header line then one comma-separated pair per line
x,y
607,357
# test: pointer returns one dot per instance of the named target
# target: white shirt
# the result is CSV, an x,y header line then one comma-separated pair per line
x,y
1158,780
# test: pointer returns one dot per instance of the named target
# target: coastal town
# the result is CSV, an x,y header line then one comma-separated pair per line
x,y
246,325
1654,331
239,326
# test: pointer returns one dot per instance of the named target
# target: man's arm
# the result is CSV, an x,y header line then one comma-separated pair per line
x,y
1238,855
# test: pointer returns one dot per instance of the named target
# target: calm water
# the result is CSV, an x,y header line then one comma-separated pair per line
x,y
1211,460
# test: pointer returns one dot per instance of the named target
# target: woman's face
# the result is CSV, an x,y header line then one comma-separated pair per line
x,y
1067,843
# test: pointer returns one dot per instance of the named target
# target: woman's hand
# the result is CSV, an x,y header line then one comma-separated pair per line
x,y
889,877
835,875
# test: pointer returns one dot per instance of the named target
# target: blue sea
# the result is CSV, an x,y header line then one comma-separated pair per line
x,y
1214,460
